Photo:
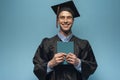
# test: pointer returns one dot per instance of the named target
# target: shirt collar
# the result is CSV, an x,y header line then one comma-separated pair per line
x,y
64,38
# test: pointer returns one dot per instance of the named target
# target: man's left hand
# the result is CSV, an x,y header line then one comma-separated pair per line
x,y
72,59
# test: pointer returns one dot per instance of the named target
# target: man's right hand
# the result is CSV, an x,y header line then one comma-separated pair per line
x,y
57,59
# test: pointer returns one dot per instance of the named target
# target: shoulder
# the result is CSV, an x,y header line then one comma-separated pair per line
x,y
47,40
80,41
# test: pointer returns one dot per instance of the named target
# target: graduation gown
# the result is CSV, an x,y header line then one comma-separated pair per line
x,y
46,51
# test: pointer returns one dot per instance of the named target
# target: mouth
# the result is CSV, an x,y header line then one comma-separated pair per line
x,y
66,25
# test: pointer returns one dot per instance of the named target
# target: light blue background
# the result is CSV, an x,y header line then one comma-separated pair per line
x,y
24,23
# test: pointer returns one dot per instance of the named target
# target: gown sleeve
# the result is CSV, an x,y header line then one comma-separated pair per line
x,y
88,61
40,60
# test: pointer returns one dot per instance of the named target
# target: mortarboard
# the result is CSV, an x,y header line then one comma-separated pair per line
x,y
69,4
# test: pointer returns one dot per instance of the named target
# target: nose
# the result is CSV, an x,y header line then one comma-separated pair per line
x,y
65,20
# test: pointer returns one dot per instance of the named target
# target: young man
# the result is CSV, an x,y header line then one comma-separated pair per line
x,y
47,62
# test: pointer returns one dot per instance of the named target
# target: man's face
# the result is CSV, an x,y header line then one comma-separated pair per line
x,y
65,20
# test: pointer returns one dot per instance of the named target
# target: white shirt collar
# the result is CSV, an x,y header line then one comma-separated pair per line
x,y
64,38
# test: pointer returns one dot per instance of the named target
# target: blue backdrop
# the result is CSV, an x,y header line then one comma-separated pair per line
x,y
24,23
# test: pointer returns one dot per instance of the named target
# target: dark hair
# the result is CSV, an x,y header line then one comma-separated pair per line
x,y
66,9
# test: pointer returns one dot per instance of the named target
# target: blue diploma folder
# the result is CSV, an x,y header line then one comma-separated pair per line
x,y
65,47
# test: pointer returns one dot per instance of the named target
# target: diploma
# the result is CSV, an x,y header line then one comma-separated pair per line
x,y
65,47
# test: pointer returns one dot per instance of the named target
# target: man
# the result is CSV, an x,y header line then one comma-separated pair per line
x,y
47,62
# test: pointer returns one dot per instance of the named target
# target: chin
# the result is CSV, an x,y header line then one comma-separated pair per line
x,y
66,30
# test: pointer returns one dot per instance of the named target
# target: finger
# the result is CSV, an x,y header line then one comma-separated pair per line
x,y
71,53
70,61
69,56
61,54
60,60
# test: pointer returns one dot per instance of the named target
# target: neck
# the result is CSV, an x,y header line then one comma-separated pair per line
x,y
67,33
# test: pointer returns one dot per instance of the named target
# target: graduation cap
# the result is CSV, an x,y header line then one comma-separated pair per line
x,y
66,6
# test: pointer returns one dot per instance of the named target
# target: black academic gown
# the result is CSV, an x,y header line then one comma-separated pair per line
x,y
46,51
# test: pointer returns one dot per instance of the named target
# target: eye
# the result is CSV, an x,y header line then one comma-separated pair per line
x,y
69,17
65,17
62,17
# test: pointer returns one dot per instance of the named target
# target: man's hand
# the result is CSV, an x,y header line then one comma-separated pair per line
x,y
57,59
72,59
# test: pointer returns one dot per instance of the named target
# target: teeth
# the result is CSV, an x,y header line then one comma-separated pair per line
x,y
66,24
